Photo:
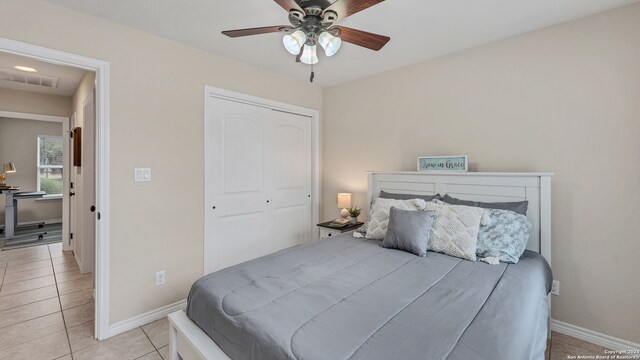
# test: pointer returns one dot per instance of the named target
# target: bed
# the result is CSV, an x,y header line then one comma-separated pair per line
x,y
349,298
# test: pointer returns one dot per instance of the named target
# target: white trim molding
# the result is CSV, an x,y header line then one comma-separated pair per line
x,y
101,68
146,318
593,337
30,116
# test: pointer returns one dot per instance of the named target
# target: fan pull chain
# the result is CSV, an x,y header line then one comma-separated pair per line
x,y
312,74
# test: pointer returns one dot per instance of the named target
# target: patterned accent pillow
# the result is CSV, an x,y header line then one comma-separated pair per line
x,y
379,220
505,238
455,230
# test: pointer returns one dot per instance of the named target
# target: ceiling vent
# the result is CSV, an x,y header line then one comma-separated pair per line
x,y
29,79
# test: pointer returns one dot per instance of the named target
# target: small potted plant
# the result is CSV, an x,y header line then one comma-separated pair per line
x,y
354,213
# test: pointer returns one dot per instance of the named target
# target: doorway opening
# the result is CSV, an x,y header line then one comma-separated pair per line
x,y
80,168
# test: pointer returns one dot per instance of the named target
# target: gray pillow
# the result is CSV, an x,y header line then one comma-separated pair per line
x,y
409,230
387,195
506,238
518,206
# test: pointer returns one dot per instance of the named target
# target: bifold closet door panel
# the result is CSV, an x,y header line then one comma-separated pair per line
x,y
238,183
293,179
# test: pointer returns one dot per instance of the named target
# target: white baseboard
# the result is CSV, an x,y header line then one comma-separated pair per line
x,y
146,318
593,337
75,256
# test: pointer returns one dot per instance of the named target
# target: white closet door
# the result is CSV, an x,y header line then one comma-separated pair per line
x,y
293,178
239,181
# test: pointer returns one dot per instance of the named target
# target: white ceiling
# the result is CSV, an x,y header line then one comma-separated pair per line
x,y
419,29
68,78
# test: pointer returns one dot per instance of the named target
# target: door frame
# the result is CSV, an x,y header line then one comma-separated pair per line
x,y
72,179
224,94
101,68
85,265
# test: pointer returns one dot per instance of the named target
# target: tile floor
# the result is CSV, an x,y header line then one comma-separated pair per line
x,y
46,312
47,309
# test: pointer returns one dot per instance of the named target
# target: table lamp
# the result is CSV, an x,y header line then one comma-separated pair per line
x,y
344,203
7,168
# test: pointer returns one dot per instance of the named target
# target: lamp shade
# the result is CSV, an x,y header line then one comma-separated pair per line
x,y
329,43
293,42
309,55
344,200
9,168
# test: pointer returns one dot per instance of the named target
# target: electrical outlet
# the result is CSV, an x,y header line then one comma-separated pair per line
x,y
160,278
555,288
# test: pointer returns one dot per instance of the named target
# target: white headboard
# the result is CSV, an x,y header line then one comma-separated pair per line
x,y
490,187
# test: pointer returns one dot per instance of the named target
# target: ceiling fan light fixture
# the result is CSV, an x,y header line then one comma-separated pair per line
x,y
309,55
330,44
293,42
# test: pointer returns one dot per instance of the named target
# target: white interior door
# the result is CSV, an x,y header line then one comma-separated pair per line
x,y
258,180
293,178
88,185
238,179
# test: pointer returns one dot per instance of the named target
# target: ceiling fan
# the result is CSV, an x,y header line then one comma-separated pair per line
x,y
312,23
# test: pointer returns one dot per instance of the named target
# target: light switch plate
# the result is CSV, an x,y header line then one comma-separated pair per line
x,y
142,174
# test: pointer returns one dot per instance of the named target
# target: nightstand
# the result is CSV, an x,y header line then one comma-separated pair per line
x,y
326,230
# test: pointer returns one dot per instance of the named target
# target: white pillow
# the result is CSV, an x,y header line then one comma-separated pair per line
x,y
455,230
379,220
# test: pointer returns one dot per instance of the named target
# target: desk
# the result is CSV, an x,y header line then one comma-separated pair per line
x,y
11,208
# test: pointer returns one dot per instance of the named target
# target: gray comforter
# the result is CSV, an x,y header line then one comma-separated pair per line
x,y
348,298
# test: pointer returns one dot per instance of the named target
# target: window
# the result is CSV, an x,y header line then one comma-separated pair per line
x,y
50,165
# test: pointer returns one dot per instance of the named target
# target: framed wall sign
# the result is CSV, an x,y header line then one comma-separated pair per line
x,y
443,163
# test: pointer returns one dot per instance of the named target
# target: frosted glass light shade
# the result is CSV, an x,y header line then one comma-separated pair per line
x,y
293,42
344,200
309,55
329,43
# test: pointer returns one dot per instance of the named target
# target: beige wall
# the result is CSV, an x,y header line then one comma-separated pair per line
x,y
34,103
85,88
19,144
565,99
157,89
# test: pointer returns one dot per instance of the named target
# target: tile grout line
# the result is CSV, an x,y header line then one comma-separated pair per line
x,y
38,277
36,288
35,318
64,321
28,303
152,344
40,287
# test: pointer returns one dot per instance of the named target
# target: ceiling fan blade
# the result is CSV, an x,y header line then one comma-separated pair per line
x,y
346,8
255,31
289,5
362,38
